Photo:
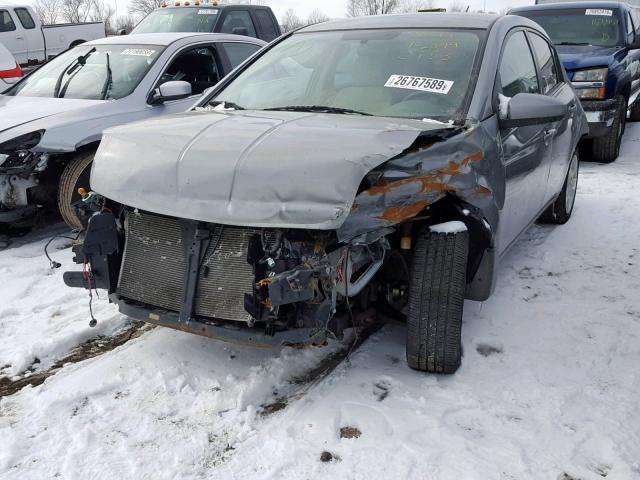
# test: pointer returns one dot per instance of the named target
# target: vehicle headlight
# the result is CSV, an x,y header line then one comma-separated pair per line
x,y
591,75
593,93
21,143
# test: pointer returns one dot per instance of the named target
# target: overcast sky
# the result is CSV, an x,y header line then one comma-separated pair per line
x,y
336,8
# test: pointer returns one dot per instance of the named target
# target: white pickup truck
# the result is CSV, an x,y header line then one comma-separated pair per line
x,y
31,42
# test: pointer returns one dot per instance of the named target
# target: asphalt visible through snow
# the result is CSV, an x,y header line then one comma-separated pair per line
x,y
548,387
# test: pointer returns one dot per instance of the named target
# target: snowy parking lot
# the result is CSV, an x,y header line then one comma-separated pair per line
x,y
548,387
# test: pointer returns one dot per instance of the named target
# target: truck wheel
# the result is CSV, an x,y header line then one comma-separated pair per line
x,y
559,212
436,298
606,149
75,175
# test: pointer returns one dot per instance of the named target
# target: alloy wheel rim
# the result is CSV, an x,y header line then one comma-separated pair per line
x,y
572,185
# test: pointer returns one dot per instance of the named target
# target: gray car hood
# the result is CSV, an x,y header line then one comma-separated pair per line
x,y
262,169
15,111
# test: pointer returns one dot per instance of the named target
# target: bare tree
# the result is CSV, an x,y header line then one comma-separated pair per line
x,y
357,8
317,16
48,10
412,6
290,21
76,11
142,8
456,6
103,12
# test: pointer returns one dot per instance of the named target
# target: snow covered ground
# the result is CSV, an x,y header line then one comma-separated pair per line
x,y
548,388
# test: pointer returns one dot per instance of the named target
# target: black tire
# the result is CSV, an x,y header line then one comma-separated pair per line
x,y
436,299
75,175
606,149
634,111
559,212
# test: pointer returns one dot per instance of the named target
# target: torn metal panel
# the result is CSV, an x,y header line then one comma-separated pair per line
x,y
231,168
425,173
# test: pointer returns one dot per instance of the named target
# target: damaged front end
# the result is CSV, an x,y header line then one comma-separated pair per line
x,y
21,186
294,276
261,286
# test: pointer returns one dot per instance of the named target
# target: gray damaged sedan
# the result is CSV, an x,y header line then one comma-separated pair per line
x,y
52,121
380,161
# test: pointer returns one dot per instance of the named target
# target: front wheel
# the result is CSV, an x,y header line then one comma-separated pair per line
x,y
75,175
436,299
559,212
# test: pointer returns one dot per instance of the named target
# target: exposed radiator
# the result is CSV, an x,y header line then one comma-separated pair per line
x,y
154,267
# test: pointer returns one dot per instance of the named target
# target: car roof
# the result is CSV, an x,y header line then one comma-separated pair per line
x,y
414,20
568,5
168,38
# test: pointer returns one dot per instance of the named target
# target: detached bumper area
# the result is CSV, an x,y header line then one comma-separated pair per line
x,y
240,335
600,115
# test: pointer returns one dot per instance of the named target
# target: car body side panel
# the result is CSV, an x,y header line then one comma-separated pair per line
x,y
466,166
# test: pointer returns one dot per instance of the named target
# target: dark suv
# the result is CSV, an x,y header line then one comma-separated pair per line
x,y
599,46
248,20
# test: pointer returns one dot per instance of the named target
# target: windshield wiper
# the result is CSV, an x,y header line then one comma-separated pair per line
x,y
72,67
573,43
109,80
318,108
225,104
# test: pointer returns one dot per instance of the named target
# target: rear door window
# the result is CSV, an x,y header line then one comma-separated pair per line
x,y
269,31
238,22
238,52
517,68
25,18
546,62
6,22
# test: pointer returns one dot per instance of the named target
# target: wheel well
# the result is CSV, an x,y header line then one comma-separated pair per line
x,y
451,208
75,43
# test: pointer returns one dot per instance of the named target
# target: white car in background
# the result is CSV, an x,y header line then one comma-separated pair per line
x,y
10,71
52,120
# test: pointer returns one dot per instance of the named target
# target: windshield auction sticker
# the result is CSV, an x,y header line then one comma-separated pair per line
x,y
422,84
140,52
207,11
598,11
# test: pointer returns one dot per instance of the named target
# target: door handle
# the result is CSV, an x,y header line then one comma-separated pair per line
x,y
19,37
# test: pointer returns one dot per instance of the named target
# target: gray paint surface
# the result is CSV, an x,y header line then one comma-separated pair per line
x,y
279,169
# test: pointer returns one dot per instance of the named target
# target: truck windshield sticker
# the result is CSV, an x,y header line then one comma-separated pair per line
x,y
140,52
599,11
207,11
422,84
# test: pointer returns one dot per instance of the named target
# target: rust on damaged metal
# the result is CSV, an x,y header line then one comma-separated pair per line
x,y
418,177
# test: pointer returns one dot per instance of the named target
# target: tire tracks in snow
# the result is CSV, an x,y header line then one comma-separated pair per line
x,y
93,347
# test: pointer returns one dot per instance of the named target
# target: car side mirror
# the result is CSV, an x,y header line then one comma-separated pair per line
x,y
530,109
240,31
168,91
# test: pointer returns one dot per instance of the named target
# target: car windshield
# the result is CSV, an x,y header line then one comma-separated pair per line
x,y
395,73
589,26
98,72
178,20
